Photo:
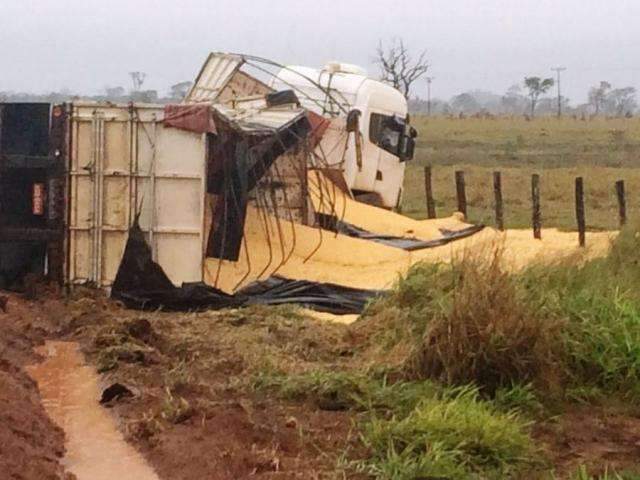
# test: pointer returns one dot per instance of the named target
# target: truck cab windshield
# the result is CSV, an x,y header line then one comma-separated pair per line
x,y
392,134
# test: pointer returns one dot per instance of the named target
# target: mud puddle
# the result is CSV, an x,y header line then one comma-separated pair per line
x,y
95,449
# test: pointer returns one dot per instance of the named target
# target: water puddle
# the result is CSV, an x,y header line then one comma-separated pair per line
x,y
70,391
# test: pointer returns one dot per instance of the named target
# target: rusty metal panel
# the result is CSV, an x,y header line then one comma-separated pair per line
x,y
242,84
125,163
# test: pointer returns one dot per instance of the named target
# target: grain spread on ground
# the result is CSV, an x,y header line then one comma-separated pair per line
x,y
304,252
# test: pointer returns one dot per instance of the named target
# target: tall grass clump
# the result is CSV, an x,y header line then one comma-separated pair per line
x,y
572,324
469,322
485,331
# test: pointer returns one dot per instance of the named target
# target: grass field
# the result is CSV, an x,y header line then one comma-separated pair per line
x,y
601,150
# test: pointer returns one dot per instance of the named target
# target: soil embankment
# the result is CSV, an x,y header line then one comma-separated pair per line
x,y
31,445
192,414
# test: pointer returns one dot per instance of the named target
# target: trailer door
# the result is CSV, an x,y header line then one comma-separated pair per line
x,y
126,164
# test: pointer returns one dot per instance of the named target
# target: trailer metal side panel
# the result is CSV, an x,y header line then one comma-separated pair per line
x,y
124,163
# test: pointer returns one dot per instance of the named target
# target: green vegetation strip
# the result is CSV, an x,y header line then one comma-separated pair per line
x,y
471,350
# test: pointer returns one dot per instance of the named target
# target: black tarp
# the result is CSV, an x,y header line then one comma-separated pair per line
x,y
324,297
237,163
331,222
142,284
233,189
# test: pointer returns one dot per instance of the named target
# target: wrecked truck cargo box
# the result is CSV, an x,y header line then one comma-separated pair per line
x,y
192,118
220,80
248,143
187,170
124,163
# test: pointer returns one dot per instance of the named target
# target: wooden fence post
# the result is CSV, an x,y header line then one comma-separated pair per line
x,y
460,192
497,193
622,203
536,217
431,205
580,211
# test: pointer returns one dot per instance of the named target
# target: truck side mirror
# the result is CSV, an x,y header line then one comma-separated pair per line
x,y
353,120
407,145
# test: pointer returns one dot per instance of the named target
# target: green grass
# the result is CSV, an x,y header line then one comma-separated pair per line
x,y
519,397
462,358
468,322
583,474
415,429
544,142
601,150
572,325
456,435
600,305
361,391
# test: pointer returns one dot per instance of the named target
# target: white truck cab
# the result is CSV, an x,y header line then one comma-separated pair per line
x,y
386,139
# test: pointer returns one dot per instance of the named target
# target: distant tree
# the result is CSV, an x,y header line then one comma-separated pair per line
x,y
114,92
179,90
537,86
419,105
145,96
622,101
513,102
398,68
137,78
465,103
549,106
598,96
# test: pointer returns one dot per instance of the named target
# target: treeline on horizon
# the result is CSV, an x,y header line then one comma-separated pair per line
x,y
603,100
175,93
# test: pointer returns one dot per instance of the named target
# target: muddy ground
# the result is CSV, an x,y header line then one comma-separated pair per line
x,y
31,446
194,412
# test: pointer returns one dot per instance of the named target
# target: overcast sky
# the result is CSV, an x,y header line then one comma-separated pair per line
x,y
85,45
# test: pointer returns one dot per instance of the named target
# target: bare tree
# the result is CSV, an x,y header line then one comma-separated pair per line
x,y
598,96
138,79
537,86
398,68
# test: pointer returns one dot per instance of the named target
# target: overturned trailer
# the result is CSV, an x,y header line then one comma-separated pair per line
x,y
160,166
235,184
75,177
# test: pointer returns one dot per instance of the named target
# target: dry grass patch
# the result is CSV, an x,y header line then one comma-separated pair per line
x,y
465,322
483,331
